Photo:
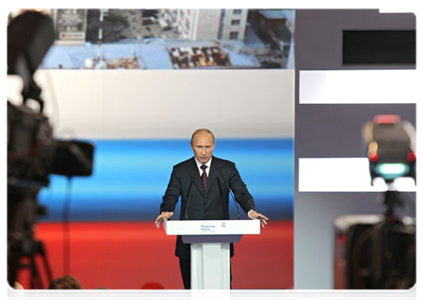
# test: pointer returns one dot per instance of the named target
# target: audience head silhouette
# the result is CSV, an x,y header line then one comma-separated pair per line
x,y
64,288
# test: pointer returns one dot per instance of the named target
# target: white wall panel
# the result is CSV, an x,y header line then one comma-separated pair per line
x,y
347,174
170,104
359,86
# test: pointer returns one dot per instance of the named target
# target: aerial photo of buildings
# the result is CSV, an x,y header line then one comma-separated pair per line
x,y
171,39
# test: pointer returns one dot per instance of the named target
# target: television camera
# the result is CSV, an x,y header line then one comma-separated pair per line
x,y
379,251
33,154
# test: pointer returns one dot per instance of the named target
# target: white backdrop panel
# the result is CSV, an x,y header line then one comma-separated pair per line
x,y
346,174
359,86
169,104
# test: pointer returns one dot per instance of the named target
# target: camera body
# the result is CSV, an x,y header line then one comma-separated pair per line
x,y
390,148
373,252
30,146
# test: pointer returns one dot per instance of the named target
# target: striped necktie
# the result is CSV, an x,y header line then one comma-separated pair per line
x,y
204,176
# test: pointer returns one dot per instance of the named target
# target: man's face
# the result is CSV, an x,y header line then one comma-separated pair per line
x,y
203,146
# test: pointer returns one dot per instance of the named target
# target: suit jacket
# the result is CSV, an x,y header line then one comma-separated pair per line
x,y
197,204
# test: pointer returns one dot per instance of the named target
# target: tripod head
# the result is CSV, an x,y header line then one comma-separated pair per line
x,y
391,199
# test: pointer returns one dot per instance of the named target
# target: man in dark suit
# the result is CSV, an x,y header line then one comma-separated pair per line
x,y
203,183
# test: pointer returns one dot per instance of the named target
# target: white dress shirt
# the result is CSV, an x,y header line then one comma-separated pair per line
x,y
199,164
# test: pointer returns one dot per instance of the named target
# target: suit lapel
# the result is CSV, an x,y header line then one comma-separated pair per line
x,y
195,174
212,174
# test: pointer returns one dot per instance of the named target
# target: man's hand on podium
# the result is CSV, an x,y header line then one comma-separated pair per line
x,y
255,215
163,216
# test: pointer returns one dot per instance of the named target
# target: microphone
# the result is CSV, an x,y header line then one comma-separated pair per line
x,y
221,197
233,196
188,198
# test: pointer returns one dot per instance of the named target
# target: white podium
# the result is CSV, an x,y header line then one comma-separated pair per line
x,y
210,250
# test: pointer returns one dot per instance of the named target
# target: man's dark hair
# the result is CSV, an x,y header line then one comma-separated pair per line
x,y
101,293
64,288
